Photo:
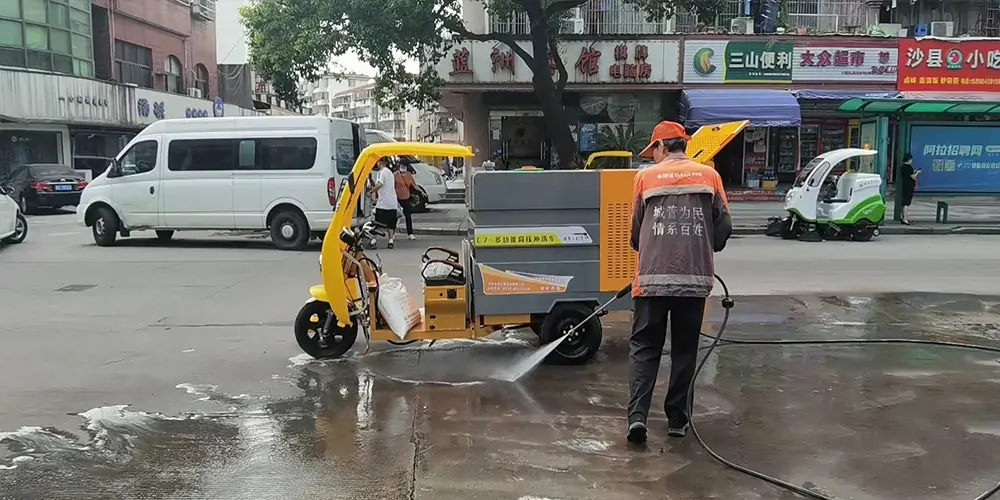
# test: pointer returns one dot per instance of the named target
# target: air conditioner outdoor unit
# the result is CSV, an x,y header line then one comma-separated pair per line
x,y
943,28
203,9
194,92
741,26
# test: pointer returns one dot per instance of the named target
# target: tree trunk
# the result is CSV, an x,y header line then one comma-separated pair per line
x,y
550,98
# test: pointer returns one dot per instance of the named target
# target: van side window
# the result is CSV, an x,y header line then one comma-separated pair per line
x,y
345,156
202,155
139,159
287,153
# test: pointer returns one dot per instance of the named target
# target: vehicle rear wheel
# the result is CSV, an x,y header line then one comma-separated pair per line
x,y
26,207
20,231
864,230
105,227
290,231
164,235
309,334
582,345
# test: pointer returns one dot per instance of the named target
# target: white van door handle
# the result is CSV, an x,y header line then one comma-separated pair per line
x,y
152,189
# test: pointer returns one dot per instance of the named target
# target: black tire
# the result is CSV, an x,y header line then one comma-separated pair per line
x,y
309,325
863,231
20,231
787,233
537,328
417,201
105,227
290,231
583,345
164,235
26,207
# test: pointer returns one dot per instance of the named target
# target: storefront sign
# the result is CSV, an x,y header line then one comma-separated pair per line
x,y
152,105
32,95
725,61
845,64
645,61
956,159
948,65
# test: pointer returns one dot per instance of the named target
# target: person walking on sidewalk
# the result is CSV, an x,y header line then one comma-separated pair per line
x,y
404,186
386,205
680,219
909,185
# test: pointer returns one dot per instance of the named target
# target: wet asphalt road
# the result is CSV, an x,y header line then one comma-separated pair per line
x,y
194,337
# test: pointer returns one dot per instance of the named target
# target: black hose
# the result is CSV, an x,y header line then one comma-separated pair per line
x,y
727,304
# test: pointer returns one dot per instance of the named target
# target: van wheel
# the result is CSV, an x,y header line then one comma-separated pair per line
x,y
105,227
164,235
290,231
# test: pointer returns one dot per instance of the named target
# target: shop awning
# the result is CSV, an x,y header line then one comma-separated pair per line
x,y
764,108
914,106
843,95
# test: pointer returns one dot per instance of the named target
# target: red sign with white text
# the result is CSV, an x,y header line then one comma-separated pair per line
x,y
949,65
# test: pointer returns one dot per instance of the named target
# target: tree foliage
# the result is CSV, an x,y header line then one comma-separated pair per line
x,y
291,40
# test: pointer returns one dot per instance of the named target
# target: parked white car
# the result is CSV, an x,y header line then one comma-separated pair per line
x,y
429,179
276,173
13,226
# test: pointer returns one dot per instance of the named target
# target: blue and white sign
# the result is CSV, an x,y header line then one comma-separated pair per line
x,y
956,159
219,109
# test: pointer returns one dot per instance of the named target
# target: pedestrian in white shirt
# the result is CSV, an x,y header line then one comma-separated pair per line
x,y
386,205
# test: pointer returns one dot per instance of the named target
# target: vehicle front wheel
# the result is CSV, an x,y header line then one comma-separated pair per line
x,y
309,333
20,231
582,345
105,227
290,231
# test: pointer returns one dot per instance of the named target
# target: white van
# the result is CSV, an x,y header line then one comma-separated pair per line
x,y
280,173
429,179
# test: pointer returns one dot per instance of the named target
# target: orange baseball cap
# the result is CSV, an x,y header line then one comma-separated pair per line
x,y
661,132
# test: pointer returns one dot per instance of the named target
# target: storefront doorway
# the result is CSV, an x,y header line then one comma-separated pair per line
x,y
19,147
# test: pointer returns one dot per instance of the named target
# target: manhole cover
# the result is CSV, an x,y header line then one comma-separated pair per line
x,y
75,288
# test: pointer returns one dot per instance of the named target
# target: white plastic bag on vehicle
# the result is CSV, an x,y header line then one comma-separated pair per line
x,y
436,270
398,308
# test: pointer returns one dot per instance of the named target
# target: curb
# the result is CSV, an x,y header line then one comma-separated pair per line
x,y
757,230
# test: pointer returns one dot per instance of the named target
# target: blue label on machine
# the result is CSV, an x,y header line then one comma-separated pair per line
x,y
956,159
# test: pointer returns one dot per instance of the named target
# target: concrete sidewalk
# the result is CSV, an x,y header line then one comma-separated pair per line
x,y
968,215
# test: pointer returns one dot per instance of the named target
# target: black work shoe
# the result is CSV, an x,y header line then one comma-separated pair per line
x,y
678,427
637,433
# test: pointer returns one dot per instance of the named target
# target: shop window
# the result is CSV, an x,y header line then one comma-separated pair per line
x,y
12,57
60,42
174,75
40,60
19,147
11,33
58,15
201,79
62,64
35,11
36,37
10,9
83,68
133,64
82,47
79,21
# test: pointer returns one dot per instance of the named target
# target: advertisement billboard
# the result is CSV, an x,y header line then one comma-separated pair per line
x,y
738,61
956,159
949,65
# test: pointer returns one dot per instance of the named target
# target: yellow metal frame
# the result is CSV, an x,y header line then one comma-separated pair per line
x,y
336,291
606,154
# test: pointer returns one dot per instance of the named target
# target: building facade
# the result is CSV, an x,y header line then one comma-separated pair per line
x,y
80,78
773,63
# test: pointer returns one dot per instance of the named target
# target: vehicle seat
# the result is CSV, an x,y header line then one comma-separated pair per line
x,y
442,272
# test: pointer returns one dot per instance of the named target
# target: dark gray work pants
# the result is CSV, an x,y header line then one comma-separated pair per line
x,y
649,333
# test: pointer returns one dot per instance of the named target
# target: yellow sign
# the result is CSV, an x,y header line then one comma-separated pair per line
x,y
710,139
518,240
497,282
